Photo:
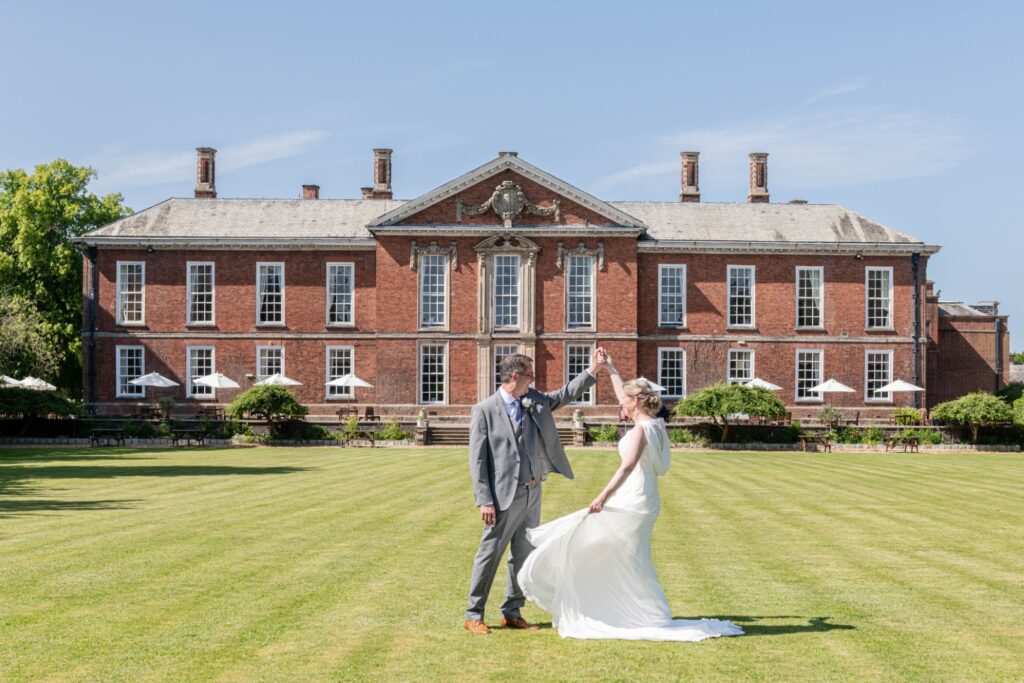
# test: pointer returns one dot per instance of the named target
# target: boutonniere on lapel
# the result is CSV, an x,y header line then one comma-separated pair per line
x,y
527,404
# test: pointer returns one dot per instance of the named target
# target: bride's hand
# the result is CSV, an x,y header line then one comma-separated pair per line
x,y
597,504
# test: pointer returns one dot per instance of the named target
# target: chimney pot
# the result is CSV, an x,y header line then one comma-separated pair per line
x,y
311,192
508,154
758,178
206,173
689,177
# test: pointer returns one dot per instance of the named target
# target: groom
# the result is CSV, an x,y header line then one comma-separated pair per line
x,y
513,444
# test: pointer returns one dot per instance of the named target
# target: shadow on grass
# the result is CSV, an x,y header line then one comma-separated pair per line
x,y
750,628
9,508
75,472
27,457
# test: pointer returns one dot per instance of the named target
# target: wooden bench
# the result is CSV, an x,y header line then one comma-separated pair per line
x,y
188,436
908,442
816,440
106,434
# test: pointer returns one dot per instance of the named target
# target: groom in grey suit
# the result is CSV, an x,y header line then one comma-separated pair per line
x,y
513,445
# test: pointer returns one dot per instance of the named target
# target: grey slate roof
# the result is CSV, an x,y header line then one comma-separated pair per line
x,y
237,220
759,223
960,310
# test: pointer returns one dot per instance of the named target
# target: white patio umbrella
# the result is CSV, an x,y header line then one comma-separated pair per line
x,y
654,385
349,380
899,386
6,381
279,379
153,379
217,381
36,383
832,386
763,384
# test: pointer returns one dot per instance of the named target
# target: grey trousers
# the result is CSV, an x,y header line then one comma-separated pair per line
x,y
510,527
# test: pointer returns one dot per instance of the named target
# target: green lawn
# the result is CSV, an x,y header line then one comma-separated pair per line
x,y
282,564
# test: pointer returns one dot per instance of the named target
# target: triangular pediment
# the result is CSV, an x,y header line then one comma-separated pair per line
x,y
509,192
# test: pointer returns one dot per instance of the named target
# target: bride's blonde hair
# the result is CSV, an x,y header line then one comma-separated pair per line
x,y
647,398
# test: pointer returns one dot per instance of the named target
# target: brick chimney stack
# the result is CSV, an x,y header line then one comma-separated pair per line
x,y
381,188
691,188
311,192
758,178
206,173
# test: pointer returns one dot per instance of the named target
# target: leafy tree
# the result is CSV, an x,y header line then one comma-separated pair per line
x,y
1017,358
1011,392
273,403
1018,410
974,410
39,214
25,346
721,401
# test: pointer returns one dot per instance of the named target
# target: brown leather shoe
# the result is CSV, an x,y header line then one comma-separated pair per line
x,y
477,626
518,622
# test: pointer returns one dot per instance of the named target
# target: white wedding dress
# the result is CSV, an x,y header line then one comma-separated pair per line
x,y
593,572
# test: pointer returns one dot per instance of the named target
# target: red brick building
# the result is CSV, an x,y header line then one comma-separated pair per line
x,y
421,297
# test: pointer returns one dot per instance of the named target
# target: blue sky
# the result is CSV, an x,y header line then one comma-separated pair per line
x,y
908,112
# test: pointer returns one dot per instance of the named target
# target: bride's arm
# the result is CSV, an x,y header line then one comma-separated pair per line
x,y
613,373
634,447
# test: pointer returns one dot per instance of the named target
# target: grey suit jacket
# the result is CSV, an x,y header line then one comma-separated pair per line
x,y
494,453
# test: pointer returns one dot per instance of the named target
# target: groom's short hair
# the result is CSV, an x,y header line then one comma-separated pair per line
x,y
516,362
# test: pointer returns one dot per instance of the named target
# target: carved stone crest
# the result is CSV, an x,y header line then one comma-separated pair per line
x,y
507,201
434,248
580,250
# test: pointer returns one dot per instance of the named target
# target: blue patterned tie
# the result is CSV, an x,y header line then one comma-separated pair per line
x,y
517,411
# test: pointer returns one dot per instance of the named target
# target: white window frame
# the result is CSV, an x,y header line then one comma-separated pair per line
x,y
351,394
117,370
188,294
117,284
888,398
568,377
419,293
821,298
661,268
728,366
728,297
497,358
593,293
275,323
419,373
268,346
327,290
661,356
867,298
519,292
189,386
796,376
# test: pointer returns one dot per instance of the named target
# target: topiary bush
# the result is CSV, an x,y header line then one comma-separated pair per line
x,y
720,401
974,411
273,403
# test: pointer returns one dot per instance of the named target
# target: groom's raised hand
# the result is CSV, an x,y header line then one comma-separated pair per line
x,y
487,514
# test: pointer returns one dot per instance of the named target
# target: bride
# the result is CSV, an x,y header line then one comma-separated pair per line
x,y
592,569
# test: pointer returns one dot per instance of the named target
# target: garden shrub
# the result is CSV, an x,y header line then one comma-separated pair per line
x,y
604,433
907,415
829,416
720,401
872,435
29,403
273,403
974,411
392,431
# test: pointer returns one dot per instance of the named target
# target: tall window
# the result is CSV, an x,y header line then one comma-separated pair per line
x,y
741,296
339,363
433,290
580,292
671,295
131,363
808,374
741,366
672,372
269,361
340,287
131,292
270,294
877,373
198,363
500,351
809,297
433,373
577,359
506,291
879,298
199,296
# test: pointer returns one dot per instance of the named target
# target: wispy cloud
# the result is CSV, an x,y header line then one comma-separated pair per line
x,y
822,150
118,170
843,89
